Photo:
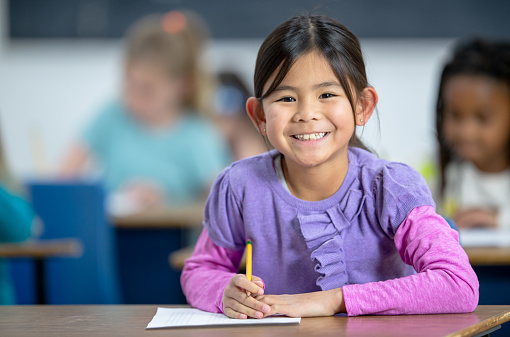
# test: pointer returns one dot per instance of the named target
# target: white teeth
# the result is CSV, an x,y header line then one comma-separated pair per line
x,y
310,136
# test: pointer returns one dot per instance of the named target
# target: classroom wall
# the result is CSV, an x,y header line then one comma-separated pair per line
x,y
49,89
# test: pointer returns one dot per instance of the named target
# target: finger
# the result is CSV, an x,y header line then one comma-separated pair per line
x,y
258,281
242,308
234,314
245,284
250,302
250,312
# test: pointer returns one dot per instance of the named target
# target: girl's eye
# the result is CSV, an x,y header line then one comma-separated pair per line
x,y
286,99
326,95
483,118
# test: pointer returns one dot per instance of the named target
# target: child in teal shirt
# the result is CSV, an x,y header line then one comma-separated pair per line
x,y
16,217
182,158
154,146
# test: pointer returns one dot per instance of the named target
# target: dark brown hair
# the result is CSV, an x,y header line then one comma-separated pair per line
x,y
471,57
301,35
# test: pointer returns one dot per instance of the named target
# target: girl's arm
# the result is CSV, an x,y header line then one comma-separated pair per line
x,y
207,273
444,283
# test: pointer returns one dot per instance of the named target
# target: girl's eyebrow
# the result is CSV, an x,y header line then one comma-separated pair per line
x,y
316,86
327,84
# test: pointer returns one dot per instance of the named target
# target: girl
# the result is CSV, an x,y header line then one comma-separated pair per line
x,y
153,146
473,128
334,229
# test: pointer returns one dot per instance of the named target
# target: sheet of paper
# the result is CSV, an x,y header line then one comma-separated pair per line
x,y
188,317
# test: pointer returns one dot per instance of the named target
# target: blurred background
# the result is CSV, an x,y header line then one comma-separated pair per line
x,y
62,60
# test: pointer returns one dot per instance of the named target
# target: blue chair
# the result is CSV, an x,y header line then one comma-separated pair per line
x,y
76,209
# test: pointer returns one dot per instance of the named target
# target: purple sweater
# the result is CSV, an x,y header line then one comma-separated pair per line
x,y
379,226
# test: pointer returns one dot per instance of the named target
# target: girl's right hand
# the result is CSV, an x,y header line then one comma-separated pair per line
x,y
237,303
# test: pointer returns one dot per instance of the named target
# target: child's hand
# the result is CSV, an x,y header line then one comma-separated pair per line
x,y
144,193
320,303
476,217
236,301
133,197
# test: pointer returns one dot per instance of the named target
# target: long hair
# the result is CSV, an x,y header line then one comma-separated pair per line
x,y
301,35
471,57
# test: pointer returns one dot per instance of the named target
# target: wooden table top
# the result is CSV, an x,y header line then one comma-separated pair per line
x,y
131,320
162,217
485,256
38,249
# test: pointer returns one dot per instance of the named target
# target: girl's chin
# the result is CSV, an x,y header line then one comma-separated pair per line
x,y
309,162
472,157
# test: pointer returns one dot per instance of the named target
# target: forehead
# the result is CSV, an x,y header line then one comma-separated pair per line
x,y
309,69
475,88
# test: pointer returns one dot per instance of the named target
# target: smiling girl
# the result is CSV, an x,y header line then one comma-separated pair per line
x,y
334,229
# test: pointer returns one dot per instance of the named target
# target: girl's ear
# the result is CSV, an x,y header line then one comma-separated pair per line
x,y
366,106
256,114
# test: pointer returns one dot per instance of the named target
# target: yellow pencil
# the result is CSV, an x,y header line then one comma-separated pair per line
x,y
249,260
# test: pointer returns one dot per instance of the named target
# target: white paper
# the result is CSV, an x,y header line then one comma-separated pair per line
x,y
187,317
484,237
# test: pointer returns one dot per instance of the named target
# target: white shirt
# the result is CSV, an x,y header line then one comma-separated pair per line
x,y
468,187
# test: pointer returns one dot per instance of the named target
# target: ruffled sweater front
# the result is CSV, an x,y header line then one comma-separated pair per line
x,y
359,236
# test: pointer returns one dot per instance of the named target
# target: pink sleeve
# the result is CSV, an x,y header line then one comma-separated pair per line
x,y
444,283
207,272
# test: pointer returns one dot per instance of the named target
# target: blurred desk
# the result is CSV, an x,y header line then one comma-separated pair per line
x,y
176,259
131,320
144,241
478,256
39,251
488,256
162,217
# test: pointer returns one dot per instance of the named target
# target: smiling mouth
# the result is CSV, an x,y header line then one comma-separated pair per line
x,y
310,136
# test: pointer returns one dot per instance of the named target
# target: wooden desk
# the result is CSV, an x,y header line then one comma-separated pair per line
x,y
162,217
39,251
488,256
131,320
177,258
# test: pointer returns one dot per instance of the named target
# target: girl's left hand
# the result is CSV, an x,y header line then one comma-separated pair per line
x,y
320,303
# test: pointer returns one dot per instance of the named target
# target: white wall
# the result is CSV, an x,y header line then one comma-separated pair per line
x,y
50,89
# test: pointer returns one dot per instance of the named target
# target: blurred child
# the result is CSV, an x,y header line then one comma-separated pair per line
x,y
230,110
154,146
473,128
16,218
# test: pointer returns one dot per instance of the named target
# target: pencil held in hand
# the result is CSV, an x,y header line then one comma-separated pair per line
x,y
249,261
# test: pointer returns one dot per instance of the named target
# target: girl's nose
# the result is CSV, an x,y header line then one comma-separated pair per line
x,y
307,111
468,130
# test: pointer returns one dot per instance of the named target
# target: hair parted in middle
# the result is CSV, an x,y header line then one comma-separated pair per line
x,y
303,34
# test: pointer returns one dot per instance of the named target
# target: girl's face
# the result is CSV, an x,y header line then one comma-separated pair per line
x,y
476,123
308,118
149,93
